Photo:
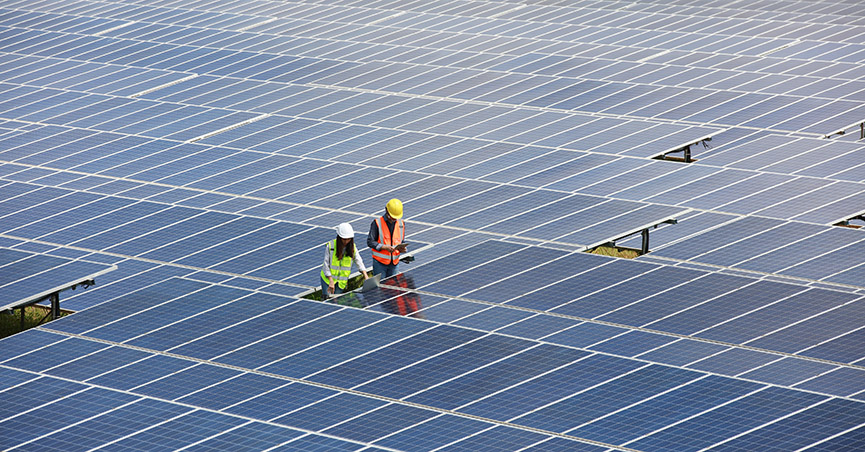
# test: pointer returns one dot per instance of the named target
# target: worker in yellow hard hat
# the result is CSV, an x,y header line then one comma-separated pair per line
x,y
385,239
339,254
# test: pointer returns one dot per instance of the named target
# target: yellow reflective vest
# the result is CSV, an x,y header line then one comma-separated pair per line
x,y
339,269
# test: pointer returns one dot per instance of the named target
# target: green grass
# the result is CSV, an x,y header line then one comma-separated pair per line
x,y
33,316
615,251
353,283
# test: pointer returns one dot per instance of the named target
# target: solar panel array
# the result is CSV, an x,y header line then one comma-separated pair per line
x,y
207,149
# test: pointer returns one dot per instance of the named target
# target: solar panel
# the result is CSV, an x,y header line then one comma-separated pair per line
x,y
206,151
29,278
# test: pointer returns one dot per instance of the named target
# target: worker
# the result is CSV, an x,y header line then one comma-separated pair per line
x,y
385,239
338,257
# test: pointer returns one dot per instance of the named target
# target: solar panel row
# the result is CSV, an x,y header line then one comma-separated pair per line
x,y
580,297
616,295
240,174
785,248
496,22
171,224
541,93
237,180
517,381
52,152
836,190
765,103
129,422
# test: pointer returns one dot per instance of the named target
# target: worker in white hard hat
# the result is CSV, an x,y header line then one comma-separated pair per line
x,y
338,257
385,239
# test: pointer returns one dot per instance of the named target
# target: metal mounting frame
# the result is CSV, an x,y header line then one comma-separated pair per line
x,y
686,149
843,131
644,233
53,298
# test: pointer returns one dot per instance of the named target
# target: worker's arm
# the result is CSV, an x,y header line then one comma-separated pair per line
x,y
372,237
360,265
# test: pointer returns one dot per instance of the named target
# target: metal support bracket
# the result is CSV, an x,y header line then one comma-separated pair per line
x,y
846,222
53,311
686,150
843,131
644,249
54,299
55,305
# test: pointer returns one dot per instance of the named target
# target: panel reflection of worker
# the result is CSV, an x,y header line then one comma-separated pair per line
x,y
406,302
338,257
386,234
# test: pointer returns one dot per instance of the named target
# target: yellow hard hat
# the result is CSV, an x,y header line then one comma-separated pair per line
x,y
394,208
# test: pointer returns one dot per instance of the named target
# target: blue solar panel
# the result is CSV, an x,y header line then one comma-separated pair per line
x,y
792,432
28,278
742,411
805,334
499,439
252,330
75,408
295,340
625,293
677,405
731,305
434,433
631,343
497,376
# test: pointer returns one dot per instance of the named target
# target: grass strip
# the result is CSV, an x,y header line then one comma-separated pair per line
x,y
10,321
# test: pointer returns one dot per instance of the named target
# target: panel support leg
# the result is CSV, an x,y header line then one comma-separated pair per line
x,y
55,305
645,248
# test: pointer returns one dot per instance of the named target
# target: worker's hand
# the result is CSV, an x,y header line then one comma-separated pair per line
x,y
330,288
401,247
387,248
365,275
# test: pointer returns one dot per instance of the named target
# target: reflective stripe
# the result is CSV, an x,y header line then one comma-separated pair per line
x,y
340,270
384,237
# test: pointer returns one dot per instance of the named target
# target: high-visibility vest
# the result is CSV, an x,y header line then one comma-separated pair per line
x,y
340,269
385,238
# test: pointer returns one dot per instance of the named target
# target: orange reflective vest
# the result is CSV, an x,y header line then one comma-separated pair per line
x,y
385,238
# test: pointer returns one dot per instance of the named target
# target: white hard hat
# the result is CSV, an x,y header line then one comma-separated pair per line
x,y
345,231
